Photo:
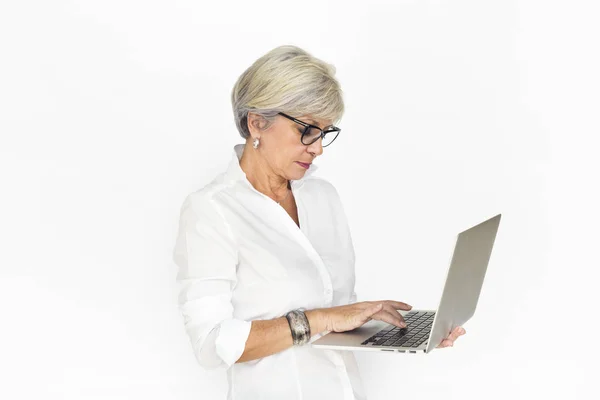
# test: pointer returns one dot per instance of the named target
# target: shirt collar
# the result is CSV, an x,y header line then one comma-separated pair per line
x,y
235,172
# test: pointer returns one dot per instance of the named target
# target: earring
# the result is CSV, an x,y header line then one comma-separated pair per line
x,y
256,143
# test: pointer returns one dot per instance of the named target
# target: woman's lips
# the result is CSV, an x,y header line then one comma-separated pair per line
x,y
303,164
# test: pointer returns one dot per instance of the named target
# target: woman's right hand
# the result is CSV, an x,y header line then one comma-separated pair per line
x,y
347,317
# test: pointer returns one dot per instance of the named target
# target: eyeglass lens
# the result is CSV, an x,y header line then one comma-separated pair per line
x,y
313,134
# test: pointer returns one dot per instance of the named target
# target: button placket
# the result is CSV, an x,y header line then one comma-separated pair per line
x,y
302,238
312,253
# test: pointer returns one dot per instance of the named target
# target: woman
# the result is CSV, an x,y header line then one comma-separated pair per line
x,y
265,256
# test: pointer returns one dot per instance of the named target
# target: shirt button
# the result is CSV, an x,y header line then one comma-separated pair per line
x,y
328,291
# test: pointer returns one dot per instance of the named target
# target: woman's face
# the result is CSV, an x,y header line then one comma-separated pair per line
x,y
283,150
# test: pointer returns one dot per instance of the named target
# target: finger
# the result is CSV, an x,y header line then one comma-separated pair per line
x,y
398,305
389,318
369,311
446,343
396,315
453,336
385,316
457,332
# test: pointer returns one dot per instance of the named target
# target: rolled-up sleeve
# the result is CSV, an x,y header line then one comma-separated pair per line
x,y
207,257
353,299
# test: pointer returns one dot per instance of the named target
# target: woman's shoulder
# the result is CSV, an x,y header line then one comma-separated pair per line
x,y
322,186
209,190
201,202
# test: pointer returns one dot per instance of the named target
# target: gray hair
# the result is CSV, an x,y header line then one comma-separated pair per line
x,y
287,79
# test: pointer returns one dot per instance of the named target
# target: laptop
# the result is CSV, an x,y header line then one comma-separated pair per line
x,y
425,329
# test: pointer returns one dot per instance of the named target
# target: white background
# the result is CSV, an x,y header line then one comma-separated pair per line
x,y
111,112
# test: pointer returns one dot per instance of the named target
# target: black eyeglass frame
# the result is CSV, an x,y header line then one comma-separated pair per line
x,y
307,126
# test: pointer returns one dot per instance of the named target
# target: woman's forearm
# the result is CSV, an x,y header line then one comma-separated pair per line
x,y
274,335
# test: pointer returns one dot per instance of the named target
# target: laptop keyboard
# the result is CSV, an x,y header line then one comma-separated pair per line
x,y
415,334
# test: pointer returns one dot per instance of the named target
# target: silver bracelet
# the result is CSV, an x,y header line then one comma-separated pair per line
x,y
299,327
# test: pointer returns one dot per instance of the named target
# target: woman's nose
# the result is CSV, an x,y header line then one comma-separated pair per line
x,y
316,148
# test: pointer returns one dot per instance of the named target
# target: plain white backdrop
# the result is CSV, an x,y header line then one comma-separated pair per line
x,y
111,112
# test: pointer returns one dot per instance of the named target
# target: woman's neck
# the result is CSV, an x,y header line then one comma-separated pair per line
x,y
261,175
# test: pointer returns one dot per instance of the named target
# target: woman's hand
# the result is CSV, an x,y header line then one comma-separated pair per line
x,y
351,316
449,341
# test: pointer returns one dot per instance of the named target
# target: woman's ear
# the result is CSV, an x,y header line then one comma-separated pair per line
x,y
255,123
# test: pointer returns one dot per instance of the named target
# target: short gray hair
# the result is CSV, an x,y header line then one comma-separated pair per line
x,y
287,79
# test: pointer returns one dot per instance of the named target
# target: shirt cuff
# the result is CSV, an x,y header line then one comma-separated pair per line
x,y
353,298
231,341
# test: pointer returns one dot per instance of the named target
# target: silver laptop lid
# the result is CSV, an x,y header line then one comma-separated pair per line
x,y
465,279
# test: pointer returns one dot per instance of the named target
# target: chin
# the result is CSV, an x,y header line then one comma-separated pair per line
x,y
297,175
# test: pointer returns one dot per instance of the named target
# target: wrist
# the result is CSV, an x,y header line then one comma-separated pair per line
x,y
299,327
317,318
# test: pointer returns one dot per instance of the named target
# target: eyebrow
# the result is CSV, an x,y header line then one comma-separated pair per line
x,y
313,122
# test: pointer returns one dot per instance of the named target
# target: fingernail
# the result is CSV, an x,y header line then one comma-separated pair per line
x,y
402,325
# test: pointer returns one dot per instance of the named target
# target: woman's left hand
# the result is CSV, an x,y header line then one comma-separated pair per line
x,y
449,341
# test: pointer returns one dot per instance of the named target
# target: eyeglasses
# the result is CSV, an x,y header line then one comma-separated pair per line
x,y
312,133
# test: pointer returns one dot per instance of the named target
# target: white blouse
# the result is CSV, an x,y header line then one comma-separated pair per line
x,y
241,257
